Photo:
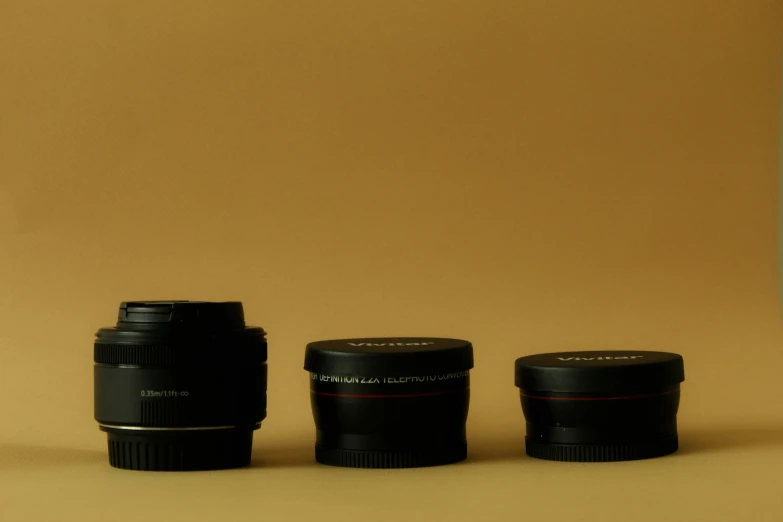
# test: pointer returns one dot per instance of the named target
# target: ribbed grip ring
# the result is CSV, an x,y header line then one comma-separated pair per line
x,y
159,454
600,452
135,354
390,459
164,355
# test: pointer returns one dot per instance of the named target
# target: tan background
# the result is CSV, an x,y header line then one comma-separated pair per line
x,y
529,175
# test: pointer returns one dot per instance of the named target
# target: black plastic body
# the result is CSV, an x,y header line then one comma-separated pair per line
x,y
415,417
579,427
629,422
180,394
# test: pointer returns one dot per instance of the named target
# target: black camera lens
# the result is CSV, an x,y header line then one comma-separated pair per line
x,y
180,386
390,402
600,406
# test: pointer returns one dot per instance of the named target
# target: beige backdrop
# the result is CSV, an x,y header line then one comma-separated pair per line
x,y
529,175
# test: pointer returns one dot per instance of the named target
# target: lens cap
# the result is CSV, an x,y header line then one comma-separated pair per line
x,y
190,314
599,371
387,357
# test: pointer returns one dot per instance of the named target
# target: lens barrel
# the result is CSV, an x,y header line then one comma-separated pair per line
x,y
600,406
390,402
180,385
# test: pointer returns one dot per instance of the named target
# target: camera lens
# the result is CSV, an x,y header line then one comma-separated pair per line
x,y
180,385
390,402
600,406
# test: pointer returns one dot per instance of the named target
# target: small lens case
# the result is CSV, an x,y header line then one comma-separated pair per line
x,y
600,406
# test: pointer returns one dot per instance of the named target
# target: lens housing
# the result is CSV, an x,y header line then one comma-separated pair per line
x,y
397,402
180,385
600,406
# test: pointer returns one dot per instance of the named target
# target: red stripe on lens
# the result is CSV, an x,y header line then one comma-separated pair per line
x,y
352,396
599,398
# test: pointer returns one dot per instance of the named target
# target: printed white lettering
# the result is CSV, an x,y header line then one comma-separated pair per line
x,y
391,344
607,358
344,379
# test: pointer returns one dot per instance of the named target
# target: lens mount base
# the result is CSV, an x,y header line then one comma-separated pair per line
x,y
600,452
391,459
178,451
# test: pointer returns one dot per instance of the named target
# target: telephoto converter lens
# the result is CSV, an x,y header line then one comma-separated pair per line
x,y
600,406
180,386
390,402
